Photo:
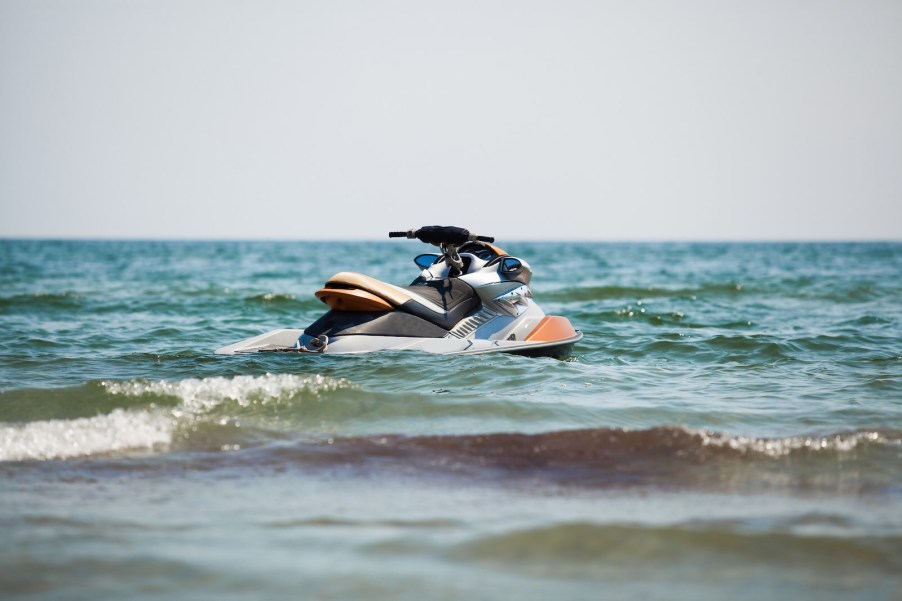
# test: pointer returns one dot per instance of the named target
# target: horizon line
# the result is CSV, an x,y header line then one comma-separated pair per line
x,y
29,238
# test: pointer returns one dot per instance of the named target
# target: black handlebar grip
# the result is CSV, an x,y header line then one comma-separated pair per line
x,y
440,234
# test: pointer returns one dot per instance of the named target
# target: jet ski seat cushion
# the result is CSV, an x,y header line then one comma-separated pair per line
x,y
350,279
442,302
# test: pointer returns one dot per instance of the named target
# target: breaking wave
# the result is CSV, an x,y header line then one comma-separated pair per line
x,y
663,457
601,449
139,415
118,431
202,394
281,421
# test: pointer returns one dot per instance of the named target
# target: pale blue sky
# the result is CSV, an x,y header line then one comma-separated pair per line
x,y
595,119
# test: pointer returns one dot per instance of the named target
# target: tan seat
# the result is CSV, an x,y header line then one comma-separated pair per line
x,y
442,302
350,279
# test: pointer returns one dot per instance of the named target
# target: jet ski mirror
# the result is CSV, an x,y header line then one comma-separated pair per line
x,y
510,265
425,261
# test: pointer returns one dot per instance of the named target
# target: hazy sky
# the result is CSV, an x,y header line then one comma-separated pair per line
x,y
605,120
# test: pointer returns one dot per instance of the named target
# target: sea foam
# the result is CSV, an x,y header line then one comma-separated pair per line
x,y
151,427
198,395
119,430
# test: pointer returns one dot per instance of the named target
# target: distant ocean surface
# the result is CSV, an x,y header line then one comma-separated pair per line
x,y
730,427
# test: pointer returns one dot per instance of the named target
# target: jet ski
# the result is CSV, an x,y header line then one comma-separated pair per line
x,y
470,298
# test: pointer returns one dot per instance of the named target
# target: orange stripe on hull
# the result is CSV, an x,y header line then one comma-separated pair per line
x,y
351,300
551,329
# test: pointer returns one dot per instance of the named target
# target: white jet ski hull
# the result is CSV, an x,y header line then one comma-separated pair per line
x,y
285,340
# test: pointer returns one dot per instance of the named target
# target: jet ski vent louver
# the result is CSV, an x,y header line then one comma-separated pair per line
x,y
470,324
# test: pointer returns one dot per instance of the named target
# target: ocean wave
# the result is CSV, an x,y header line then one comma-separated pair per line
x,y
742,343
117,431
663,457
202,394
580,546
287,419
141,415
271,298
593,293
274,301
835,444
598,447
720,348
40,301
216,413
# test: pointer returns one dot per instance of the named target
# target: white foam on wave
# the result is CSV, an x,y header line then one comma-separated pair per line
x,y
151,427
780,447
202,394
119,430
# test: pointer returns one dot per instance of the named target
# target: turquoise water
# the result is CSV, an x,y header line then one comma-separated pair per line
x,y
731,424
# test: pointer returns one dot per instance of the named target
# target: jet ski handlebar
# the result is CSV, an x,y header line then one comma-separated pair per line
x,y
441,234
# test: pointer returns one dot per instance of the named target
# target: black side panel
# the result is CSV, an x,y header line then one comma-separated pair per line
x,y
447,293
381,323
456,297
446,321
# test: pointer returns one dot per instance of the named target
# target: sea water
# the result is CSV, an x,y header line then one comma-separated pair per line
x,y
729,427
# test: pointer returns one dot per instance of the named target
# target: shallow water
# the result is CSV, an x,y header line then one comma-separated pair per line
x,y
731,424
